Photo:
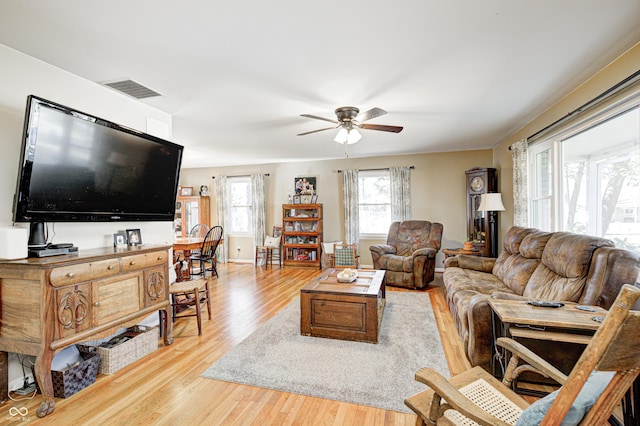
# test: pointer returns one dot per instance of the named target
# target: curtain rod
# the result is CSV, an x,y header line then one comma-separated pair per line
x,y
265,174
609,92
372,170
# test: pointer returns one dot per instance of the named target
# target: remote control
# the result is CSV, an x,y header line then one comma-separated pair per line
x,y
542,304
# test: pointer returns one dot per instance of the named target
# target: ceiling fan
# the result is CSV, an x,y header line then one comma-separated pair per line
x,y
349,120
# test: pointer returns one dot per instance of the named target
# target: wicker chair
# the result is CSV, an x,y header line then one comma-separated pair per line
x,y
606,369
185,294
272,245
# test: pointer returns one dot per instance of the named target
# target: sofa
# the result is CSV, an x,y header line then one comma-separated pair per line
x,y
409,256
534,265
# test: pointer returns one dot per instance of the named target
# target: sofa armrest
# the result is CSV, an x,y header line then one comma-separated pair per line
x,y
451,262
508,296
429,252
476,263
382,249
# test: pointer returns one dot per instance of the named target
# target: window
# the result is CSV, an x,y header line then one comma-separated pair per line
x,y
374,197
239,199
597,179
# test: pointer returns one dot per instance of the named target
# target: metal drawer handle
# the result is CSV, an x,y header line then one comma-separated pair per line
x,y
96,304
110,267
160,258
133,262
71,274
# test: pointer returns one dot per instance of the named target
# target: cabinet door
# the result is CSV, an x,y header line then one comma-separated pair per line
x,y
155,285
73,309
192,214
117,297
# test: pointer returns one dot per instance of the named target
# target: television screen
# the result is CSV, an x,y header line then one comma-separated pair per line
x,y
78,167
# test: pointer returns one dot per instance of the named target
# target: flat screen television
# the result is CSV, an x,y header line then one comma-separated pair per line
x,y
77,167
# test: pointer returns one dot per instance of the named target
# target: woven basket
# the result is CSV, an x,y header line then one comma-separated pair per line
x,y
118,357
73,379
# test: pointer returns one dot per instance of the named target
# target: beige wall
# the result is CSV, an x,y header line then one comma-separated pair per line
x,y
618,70
437,192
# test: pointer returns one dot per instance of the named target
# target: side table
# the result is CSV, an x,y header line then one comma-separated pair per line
x,y
454,252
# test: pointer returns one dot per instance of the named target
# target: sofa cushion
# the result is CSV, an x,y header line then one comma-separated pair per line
x,y
565,263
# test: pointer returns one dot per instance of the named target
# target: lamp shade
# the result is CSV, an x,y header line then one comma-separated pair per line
x,y
491,202
347,136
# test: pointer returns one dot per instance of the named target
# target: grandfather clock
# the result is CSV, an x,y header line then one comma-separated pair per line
x,y
479,231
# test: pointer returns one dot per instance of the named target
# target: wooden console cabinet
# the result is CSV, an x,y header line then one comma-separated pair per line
x,y
50,303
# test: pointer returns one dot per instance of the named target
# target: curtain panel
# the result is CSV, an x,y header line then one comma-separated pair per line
x,y
258,209
519,155
350,203
223,215
400,180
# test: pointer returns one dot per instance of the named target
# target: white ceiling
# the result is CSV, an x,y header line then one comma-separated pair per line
x,y
236,76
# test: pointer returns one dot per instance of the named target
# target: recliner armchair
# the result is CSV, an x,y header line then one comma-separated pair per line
x,y
410,253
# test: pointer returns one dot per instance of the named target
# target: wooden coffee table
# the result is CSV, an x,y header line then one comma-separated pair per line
x,y
347,311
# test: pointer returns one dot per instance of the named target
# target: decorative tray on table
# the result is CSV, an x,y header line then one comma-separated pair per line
x,y
347,276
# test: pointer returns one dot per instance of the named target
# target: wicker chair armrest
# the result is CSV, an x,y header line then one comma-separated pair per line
x,y
457,400
540,365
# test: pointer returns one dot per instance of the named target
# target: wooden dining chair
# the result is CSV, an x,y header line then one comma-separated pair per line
x,y
588,395
199,231
207,253
272,245
187,294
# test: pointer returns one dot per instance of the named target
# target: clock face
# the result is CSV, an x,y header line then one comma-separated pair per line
x,y
477,183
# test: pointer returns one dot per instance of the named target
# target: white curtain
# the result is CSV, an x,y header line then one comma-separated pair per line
x,y
519,154
258,208
223,215
350,203
400,180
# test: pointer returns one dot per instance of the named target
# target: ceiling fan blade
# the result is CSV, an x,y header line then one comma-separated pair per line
x,y
319,118
372,113
319,130
394,129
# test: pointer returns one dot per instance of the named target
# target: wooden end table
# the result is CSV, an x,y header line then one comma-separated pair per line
x,y
454,252
517,319
346,311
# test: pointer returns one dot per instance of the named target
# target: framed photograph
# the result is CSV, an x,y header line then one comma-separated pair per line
x,y
314,199
119,239
186,191
306,199
133,237
305,185
297,199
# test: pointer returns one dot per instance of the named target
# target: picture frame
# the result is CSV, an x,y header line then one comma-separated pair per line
x,y
186,191
305,185
305,199
119,239
134,238
297,199
314,199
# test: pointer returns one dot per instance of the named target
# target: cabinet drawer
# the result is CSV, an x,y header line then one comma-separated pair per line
x,y
140,261
84,272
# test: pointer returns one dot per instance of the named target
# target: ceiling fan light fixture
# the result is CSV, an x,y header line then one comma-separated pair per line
x,y
347,136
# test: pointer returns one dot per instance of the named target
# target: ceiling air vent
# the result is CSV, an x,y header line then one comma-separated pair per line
x,y
133,89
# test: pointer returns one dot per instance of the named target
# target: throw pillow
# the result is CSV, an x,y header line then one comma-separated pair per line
x,y
273,242
328,247
592,389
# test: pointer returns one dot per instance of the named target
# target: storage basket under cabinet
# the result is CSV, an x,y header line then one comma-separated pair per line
x,y
73,379
123,354
301,234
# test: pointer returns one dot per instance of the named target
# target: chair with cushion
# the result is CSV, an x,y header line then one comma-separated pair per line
x,y
588,395
272,244
185,294
207,253
344,256
409,256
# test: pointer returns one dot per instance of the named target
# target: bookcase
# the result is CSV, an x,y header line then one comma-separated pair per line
x,y
302,234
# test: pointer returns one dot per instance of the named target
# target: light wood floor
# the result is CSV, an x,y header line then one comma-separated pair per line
x,y
165,388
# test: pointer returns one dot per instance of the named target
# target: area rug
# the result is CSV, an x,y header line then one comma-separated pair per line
x,y
379,375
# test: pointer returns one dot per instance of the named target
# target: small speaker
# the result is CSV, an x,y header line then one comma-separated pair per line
x,y
13,243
